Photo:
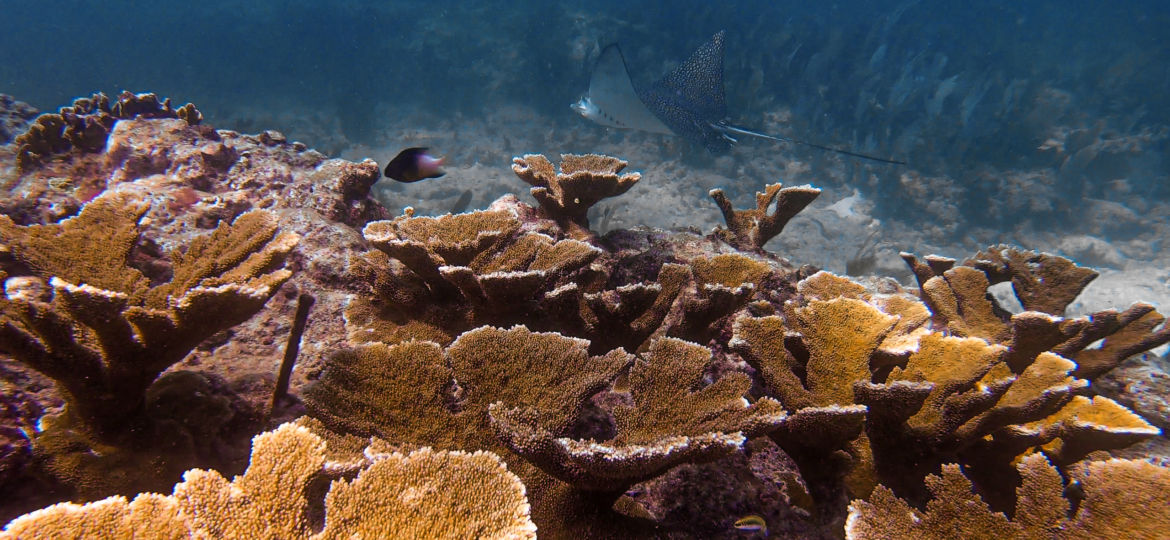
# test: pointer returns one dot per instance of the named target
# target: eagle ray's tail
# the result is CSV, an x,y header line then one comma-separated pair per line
x,y
723,127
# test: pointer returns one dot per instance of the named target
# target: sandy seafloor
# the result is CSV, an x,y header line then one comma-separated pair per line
x,y
676,176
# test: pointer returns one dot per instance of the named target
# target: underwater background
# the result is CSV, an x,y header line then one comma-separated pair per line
x,y
1041,124
969,93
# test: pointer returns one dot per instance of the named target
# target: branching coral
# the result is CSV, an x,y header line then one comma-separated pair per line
x,y
86,124
1044,284
926,398
1042,281
104,333
720,285
529,390
388,390
421,494
668,423
750,229
583,180
1121,498
458,272
444,275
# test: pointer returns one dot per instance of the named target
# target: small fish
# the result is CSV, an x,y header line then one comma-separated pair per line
x,y
752,523
414,164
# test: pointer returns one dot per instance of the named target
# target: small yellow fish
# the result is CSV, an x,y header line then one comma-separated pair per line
x,y
752,523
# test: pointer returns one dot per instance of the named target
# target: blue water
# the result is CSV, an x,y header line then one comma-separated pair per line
x,y
948,86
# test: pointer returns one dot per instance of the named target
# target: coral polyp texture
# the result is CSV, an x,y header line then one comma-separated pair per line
x,y
85,125
419,494
102,331
567,195
440,276
499,390
752,228
1118,498
976,386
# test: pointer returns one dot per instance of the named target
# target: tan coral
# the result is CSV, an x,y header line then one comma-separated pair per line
x,y
424,244
627,316
959,300
935,362
455,272
149,515
85,125
1044,284
105,346
1082,426
723,284
1123,498
429,494
751,229
1042,281
423,493
402,392
91,248
925,397
583,180
827,286
668,424
841,335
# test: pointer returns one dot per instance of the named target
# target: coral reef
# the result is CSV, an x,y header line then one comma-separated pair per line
x,y
981,396
423,493
451,273
103,332
567,196
495,389
1117,498
177,182
639,383
192,178
85,125
751,229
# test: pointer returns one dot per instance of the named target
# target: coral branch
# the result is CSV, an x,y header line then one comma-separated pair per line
x,y
583,180
751,229
84,126
421,494
105,334
1120,498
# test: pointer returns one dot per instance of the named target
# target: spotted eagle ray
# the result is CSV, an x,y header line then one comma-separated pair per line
x,y
687,102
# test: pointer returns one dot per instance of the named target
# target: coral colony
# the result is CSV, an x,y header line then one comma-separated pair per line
x,y
510,373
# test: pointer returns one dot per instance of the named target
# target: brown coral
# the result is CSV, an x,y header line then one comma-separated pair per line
x,y
386,390
1042,281
1044,284
949,398
583,180
721,285
455,272
669,423
421,494
105,334
1122,498
84,126
751,229
530,390
447,274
